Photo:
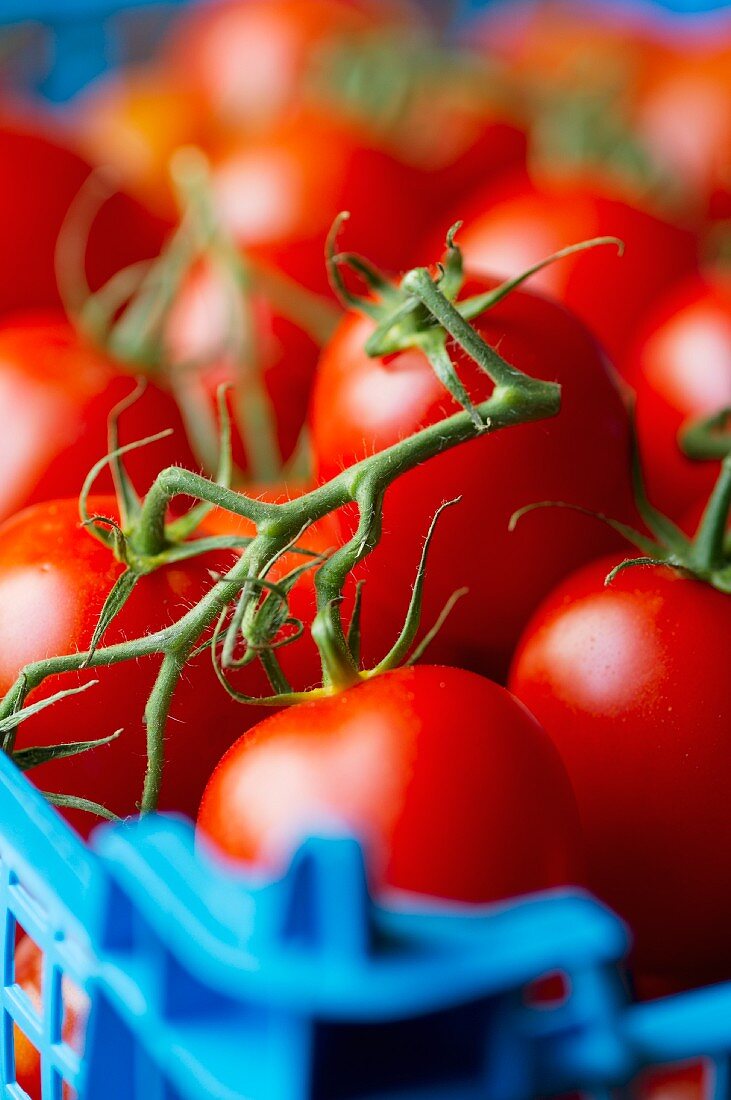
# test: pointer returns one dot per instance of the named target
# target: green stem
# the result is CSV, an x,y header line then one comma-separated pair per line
x,y
515,399
156,716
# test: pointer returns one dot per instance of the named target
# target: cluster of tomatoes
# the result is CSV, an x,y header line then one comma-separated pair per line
x,y
566,730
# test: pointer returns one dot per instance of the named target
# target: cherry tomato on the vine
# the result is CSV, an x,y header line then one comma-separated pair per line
x,y
680,369
364,404
631,682
454,788
516,223
56,393
54,579
279,193
216,333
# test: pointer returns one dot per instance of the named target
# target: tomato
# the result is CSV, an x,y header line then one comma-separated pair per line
x,y
631,682
480,137
684,118
56,392
680,368
29,976
133,121
39,178
693,1081
54,579
249,60
453,787
510,227
199,330
279,193
362,404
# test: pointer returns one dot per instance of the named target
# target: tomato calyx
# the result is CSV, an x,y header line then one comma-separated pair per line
x,y
423,312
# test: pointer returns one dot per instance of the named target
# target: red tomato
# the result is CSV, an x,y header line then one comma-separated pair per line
x,y
688,1082
685,120
479,140
56,392
631,682
514,225
278,194
39,178
680,368
451,784
199,329
133,121
361,405
54,578
249,59
29,976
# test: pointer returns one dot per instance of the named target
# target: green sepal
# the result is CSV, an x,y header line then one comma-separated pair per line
x,y
434,630
13,720
115,601
74,802
33,757
353,635
405,640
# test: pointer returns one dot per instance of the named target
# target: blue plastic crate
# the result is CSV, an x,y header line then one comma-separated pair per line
x,y
204,983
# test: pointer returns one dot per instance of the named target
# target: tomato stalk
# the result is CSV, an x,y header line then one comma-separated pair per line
x,y
230,611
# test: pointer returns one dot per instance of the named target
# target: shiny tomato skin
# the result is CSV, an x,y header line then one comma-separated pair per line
x,y
453,787
361,405
56,392
515,223
54,578
680,369
29,976
39,179
279,193
199,330
631,682
249,60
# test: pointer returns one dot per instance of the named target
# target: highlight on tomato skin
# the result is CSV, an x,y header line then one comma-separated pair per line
x,y
630,682
679,368
278,192
516,221
433,767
